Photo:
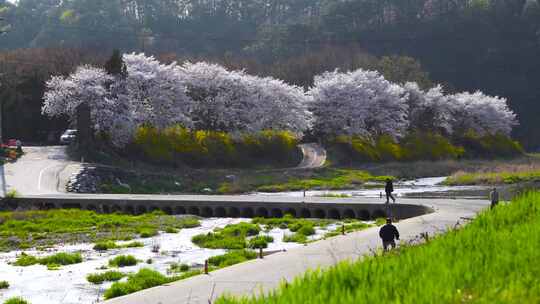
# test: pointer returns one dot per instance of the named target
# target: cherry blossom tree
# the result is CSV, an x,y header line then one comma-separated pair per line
x,y
112,116
233,101
428,111
358,103
156,91
482,113
201,96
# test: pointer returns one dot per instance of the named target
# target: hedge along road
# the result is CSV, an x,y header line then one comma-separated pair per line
x,y
253,277
41,170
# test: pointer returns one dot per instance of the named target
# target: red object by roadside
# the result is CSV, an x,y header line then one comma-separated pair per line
x,y
12,143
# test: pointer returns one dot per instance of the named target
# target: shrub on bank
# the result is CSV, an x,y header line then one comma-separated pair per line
x,y
231,258
109,276
16,300
176,145
143,279
230,237
422,146
61,258
123,261
4,285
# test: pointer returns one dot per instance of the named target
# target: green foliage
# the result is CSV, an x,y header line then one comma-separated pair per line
x,y
471,264
104,246
230,237
171,230
148,232
12,194
176,268
123,261
4,285
61,258
210,148
260,241
380,221
302,229
489,146
325,178
423,146
132,245
109,276
143,279
16,300
349,227
45,228
232,257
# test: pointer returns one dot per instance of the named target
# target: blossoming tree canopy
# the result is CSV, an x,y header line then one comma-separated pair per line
x,y
110,115
200,96
482,113
428,111
358,103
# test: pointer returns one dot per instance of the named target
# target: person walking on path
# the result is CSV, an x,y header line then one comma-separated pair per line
x,y
494,197
389,234
389,188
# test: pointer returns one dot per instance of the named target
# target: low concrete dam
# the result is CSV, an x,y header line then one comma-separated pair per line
x,y
222,206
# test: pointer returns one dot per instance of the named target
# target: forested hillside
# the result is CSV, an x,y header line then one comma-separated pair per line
x,y
492,45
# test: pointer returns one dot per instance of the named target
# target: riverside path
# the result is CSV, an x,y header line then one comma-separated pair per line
x,y
263,275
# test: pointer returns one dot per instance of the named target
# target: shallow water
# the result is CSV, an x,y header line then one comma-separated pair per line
x,y
410,188
69,286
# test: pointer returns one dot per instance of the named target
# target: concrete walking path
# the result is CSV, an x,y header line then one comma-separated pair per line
x,y
264,275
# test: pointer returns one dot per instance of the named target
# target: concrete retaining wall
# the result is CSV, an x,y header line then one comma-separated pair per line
x,y
223,208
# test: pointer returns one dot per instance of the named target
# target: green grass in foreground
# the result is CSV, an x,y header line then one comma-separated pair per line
x,y
55,260
16,300
25,229
494,259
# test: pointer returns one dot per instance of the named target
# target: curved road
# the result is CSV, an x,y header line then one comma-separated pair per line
x,y
41,170
314,156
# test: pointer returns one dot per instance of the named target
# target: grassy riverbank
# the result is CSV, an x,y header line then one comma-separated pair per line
x,y
221,181
491,260
26,229
503,174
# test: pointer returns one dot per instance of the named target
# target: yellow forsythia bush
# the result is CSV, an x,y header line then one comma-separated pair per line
x,y
210,148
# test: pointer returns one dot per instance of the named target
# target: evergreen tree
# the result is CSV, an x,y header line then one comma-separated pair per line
x,y
115,66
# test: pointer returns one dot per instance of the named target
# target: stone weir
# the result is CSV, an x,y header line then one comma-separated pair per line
x,y
223,206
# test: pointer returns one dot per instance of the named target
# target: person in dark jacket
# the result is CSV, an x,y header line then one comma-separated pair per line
x,y
389,188
389,234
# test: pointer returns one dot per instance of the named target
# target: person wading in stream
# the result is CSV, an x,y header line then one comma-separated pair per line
x,y
389,234
389,188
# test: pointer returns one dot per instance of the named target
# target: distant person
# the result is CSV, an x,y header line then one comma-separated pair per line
x,y
389,188
389,234
494,197
18,143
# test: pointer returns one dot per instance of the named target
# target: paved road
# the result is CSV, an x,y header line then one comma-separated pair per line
x,y
41,170
264,275
314,156
46,169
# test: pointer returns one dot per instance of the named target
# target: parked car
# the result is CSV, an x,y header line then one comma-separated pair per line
x,y
68,137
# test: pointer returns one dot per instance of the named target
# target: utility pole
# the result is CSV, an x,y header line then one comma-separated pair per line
x,y
2,32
